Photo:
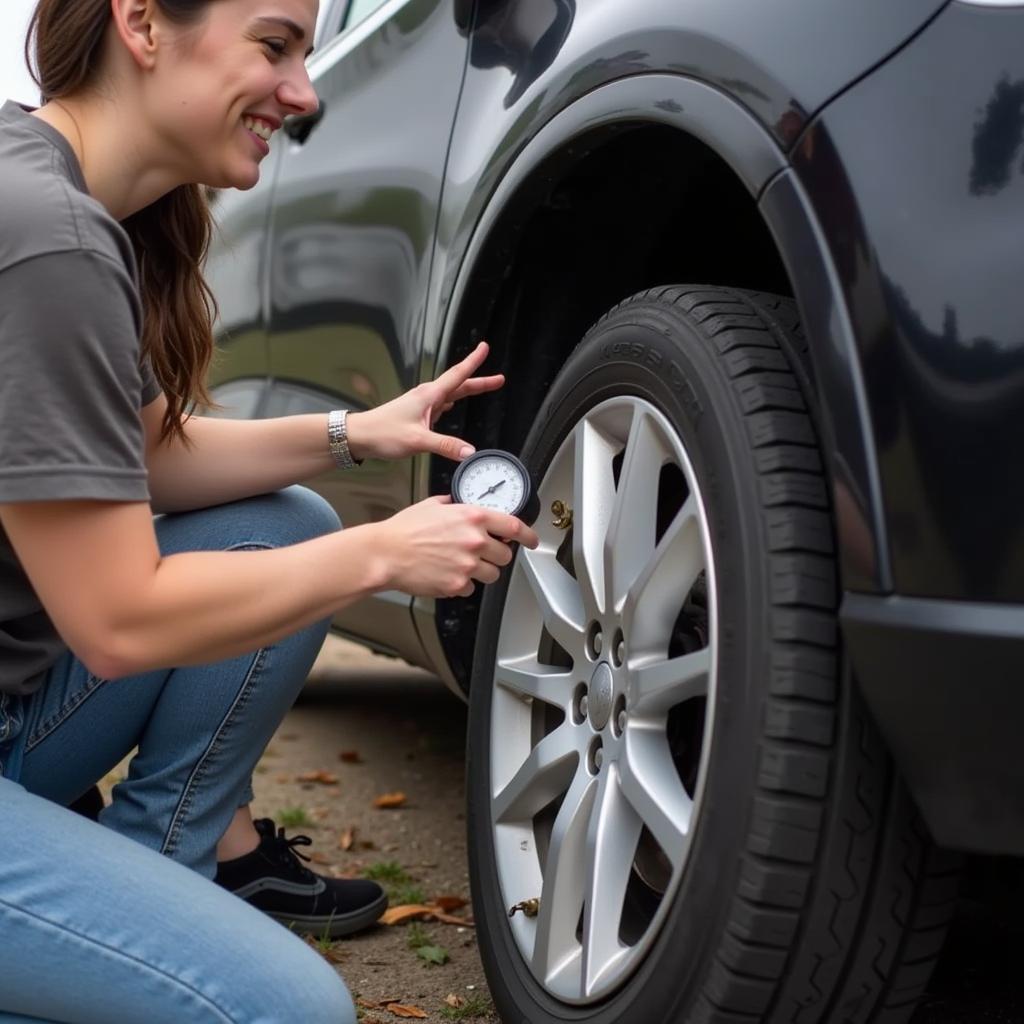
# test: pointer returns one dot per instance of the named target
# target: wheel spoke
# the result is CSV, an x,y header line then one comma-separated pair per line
x,y
629,543
594,496
526,677
662,684
651,784
564,877
611,845
655,598
544,775
558,597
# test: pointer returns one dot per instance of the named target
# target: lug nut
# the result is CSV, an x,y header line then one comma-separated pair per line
x,y
584,704
621,720
620,652
597,643
598,758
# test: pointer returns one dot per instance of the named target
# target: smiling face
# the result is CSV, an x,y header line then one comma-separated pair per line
x,y
220,88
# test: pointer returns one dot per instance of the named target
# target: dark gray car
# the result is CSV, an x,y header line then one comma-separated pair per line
x,y
753,271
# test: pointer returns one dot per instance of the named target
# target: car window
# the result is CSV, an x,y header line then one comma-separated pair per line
x,y
359,9
327,11
237,400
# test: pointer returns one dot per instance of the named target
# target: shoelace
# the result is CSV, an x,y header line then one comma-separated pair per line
x,y
288,853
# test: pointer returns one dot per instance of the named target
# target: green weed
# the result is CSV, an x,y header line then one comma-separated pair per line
x,y
418,936
387,871
475,1006
293,817
403,895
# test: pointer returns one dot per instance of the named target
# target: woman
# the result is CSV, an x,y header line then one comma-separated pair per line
x,y
187,635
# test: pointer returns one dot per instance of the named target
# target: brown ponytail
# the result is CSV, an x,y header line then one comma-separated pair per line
x,y
171,237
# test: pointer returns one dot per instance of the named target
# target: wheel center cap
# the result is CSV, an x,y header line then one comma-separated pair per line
x,y
599,700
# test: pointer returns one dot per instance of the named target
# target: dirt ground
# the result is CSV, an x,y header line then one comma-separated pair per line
x,y
401,732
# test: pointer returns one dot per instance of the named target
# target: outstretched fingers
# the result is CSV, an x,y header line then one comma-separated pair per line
x,y
477,386
457,376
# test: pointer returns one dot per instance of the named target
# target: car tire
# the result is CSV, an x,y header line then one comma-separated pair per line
x,y
781,874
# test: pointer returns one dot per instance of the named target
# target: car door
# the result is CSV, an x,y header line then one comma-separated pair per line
x,y
236,271
351,240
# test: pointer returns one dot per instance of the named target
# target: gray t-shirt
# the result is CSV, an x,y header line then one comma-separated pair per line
x,y
71,384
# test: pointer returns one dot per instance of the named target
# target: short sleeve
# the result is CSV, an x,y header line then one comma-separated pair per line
x,y
71,385
150,386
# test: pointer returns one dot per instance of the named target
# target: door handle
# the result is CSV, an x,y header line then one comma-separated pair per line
x,y
300,126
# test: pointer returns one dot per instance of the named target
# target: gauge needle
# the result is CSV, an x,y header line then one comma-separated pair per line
x,y
491,490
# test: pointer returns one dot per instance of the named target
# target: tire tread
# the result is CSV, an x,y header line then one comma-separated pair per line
x,y
813,835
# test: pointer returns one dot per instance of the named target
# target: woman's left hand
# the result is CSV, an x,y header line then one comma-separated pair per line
x,y
404,426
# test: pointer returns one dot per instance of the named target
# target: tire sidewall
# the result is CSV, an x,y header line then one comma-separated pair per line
x,y
655,353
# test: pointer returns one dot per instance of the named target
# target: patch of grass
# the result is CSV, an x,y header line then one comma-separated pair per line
x,y
433,954
402,895
389,872
324,942
397,882
418,936
293,817
475,1006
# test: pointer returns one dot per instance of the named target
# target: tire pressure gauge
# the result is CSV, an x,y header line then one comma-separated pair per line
x,y
495,479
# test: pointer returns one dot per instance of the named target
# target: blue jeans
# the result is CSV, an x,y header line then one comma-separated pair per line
x,y
96,927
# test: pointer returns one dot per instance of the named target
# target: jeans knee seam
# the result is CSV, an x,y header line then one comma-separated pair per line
x,y
59,717
198,773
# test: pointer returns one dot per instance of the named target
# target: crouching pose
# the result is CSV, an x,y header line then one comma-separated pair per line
x,y
165,583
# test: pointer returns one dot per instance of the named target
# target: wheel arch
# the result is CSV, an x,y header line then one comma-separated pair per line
x,y
548,257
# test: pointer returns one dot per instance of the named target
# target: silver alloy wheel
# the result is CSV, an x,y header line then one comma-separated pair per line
x,y
592,811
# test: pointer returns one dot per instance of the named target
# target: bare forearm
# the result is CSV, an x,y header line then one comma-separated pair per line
x,y
234,459
201,607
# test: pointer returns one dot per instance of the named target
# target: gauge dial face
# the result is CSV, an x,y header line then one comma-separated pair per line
x,y
491,479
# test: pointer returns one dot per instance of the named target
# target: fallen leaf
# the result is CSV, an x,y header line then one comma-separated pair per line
x,y
389,800
400,1010
454,1001
371,1004
465,922
407,911
449,903
350,757
394,915
346,839
433,954
282,778
325,778
319,858
366,844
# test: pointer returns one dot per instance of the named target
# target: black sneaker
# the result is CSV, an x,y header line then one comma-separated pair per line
x,y
89,804
272,879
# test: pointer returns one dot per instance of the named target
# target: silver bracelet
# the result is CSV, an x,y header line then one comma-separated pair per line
x,y
337,439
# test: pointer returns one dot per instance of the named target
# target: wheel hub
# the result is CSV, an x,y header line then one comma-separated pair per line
x,y
599,704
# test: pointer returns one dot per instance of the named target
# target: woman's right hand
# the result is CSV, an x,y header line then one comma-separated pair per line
x,y
438,549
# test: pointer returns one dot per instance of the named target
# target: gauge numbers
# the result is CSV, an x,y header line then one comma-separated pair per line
x,y
492,479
